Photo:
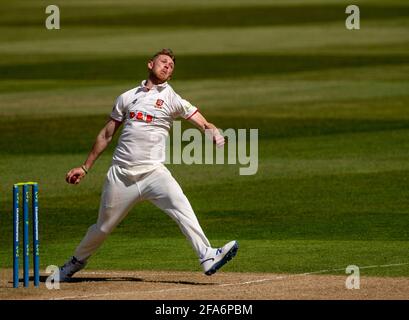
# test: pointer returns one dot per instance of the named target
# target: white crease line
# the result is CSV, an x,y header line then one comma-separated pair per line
x,y
136,273
219,285
120,293
385,265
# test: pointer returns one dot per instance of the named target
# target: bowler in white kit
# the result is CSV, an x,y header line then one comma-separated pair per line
x,y
137,172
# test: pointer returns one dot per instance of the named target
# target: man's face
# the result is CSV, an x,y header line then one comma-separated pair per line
x,y
161,67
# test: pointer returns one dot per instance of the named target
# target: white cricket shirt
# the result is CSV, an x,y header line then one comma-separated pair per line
x,y
147,117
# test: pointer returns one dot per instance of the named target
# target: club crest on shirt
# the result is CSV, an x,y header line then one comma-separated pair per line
x,y
159,104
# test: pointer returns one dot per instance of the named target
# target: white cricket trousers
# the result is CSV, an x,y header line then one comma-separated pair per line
x,y
123,188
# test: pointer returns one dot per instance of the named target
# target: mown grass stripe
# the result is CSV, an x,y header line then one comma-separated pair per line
x,y
243,16
196,66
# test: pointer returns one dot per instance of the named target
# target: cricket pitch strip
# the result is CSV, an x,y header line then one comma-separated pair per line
x,y
175,285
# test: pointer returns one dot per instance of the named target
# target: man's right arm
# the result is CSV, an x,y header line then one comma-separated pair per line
x,y
102,141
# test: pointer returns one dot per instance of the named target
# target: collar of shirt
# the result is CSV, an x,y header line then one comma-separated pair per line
x,y
158,87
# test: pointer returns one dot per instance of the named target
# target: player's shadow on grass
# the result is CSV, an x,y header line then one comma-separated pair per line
x,y
125,279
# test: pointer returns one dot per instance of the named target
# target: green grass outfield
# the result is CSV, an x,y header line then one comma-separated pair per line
x,y
331,106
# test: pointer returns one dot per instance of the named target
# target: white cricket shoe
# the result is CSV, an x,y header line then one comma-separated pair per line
x,y
72,266
217,258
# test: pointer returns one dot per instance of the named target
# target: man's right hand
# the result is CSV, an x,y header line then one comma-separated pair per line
x,y
75,175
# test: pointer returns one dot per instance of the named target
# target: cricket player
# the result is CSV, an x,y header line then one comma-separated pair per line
x,y
137,171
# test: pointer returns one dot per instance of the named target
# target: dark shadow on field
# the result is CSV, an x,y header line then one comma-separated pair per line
x,y
191,66
123,279
187,16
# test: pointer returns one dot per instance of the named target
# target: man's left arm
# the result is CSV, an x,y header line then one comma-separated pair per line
x,y
208,128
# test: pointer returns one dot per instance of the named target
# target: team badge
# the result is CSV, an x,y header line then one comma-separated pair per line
x,y
159,103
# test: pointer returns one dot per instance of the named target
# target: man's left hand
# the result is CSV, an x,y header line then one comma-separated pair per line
x,y
219,140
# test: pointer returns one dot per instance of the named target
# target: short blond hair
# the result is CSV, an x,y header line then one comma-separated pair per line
x,y
166,52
